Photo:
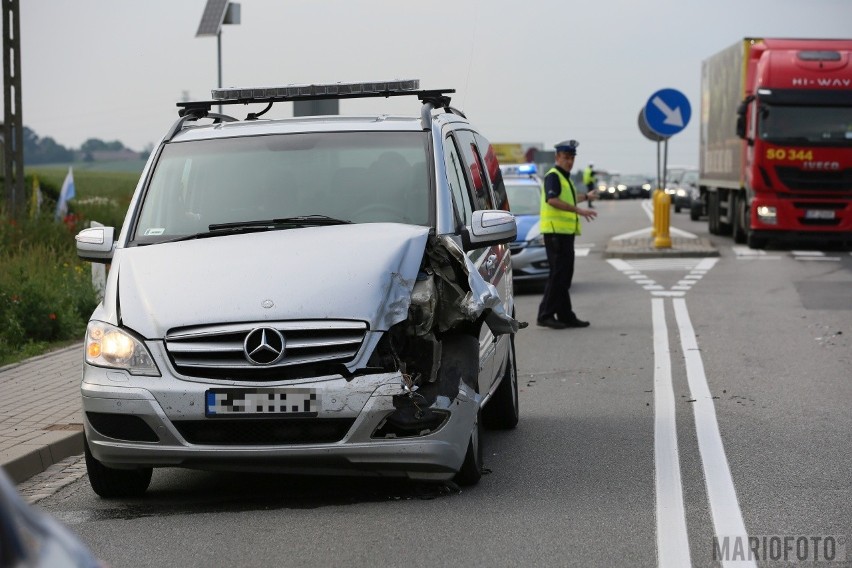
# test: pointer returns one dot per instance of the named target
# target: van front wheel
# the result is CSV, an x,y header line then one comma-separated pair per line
x,y
111,483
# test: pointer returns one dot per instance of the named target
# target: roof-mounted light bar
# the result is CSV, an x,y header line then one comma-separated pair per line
x,y
436,98
332,90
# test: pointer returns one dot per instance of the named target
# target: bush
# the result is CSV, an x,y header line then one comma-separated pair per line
x,y
46,291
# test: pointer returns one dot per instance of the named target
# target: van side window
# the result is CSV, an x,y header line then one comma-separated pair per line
x,y
492,168
456,179
476,169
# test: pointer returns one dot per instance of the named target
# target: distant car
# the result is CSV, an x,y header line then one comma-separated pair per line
x,y
674,177
686,191
633,187
524,187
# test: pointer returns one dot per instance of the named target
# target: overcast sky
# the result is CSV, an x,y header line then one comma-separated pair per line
x,y
527,71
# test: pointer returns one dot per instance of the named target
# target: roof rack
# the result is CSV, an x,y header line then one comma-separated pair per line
x,y
194,110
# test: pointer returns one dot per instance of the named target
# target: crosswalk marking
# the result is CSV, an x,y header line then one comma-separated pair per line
x,y
636,270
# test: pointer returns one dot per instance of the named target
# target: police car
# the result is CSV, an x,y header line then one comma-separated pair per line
x,y
529,258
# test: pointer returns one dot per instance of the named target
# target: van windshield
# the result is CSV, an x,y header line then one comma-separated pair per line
x,y
361,177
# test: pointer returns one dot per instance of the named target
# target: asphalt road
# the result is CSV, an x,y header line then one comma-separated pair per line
x,y
616,462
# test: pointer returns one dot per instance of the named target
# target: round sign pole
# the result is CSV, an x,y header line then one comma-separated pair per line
x,y
666,113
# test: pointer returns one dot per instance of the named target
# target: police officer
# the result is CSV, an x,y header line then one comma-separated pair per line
x,y
589,179
560,222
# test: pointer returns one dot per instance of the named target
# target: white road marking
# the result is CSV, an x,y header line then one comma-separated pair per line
x,y
724,505
674,231
744,253
672,538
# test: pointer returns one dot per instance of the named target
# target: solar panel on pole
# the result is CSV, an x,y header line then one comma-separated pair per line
x,y
211,19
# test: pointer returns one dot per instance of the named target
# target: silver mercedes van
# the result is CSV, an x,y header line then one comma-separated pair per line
x,y
311,295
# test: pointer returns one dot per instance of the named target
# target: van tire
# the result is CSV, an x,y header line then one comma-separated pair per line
x,y
502,411
111,483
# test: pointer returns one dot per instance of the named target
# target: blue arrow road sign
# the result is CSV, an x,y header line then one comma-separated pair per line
x,y
667,112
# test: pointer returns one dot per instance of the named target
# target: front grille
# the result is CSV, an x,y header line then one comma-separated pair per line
x,y
263,432
311,348
515,248
122,427
796,179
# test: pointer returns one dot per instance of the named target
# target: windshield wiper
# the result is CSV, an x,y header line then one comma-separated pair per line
x,y
298,221
260,225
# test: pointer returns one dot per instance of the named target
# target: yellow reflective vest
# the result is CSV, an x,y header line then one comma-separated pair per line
x,y
555,220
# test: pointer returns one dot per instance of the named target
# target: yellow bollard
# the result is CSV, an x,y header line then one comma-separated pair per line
x,y
654,197
662,214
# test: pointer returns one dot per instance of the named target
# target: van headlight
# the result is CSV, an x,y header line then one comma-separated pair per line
x,y
113,347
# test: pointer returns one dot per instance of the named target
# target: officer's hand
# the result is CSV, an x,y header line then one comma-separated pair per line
x,y
592,195
588,214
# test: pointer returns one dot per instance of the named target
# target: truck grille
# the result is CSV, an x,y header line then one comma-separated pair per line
x,y
311,348
796,179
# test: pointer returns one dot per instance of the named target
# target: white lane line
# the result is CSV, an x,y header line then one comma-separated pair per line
x,y
647,233
668,293
672,538
632,234
724,506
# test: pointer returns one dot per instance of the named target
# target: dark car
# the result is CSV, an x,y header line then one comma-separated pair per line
x,y
685,192
633,187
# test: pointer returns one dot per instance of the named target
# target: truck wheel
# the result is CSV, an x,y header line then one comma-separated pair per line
x,y
740,219
502,411
755,242
695,211
713,213
677,208
112,483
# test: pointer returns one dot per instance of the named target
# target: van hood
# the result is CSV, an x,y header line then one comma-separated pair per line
x,y
356,272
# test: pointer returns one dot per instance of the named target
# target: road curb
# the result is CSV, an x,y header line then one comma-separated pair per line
x,y
644,248
27,460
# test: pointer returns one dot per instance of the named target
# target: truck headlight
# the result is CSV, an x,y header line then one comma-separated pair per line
x,y
767,214
113,347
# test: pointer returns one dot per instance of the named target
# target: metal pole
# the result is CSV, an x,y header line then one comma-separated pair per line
x,y
219,60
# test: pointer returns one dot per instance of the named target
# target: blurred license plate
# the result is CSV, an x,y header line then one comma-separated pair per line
x,y
819,214
260,402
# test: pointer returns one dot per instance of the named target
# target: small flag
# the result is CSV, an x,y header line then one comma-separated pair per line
x,y
65,195
35,203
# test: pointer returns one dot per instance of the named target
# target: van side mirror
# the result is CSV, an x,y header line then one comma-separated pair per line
x,y
489,227
96,244
741,118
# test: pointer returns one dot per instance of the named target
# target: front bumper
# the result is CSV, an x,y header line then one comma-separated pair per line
x,y
160,422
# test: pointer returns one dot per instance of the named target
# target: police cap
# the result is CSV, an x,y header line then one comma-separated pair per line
x,y
569,146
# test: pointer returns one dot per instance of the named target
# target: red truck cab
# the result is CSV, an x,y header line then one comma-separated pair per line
x,y
789,177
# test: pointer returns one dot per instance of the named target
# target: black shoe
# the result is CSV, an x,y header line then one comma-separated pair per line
x,y
552,323
575,323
